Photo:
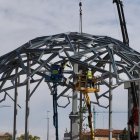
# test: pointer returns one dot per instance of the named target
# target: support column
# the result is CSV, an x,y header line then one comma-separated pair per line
x,y
27,99
110,105
74,113
15,107
128,87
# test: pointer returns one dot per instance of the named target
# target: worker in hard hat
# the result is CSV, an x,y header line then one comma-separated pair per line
x,y
90,83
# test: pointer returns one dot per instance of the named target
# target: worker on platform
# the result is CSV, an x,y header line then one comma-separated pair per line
x,y
55,74
90,83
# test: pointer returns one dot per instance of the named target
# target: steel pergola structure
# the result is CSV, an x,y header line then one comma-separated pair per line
x,y
31,63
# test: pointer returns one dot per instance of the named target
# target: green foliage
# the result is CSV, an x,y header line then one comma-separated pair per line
x,y
9,138
22,137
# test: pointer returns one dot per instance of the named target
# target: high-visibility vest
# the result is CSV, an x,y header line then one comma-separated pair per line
x,y
89,74
55,72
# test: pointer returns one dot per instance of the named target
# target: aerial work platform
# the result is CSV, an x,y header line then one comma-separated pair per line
x,y
82,84
85,86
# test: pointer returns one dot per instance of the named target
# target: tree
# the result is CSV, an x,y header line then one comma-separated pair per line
x,y
8,136
22,137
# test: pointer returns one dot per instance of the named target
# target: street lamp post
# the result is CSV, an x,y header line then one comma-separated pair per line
x,y
48,125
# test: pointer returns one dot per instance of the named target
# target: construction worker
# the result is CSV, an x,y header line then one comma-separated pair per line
x,y
57,71
63,65
90,83
55,74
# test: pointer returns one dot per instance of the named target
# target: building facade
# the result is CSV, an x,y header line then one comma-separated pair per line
x,y
102,134
5,136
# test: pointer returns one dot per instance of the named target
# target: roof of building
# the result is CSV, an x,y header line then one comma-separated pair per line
x,y
105,133
4,134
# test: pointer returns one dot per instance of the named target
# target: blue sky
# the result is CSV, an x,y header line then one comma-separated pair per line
x,y
23,20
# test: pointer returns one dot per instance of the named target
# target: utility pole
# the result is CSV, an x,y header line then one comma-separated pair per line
x,y
48,119
74,114
81,115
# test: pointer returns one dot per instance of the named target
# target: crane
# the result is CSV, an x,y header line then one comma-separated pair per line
x,y
122,21
133,120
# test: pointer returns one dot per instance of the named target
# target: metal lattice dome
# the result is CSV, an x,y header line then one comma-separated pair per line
x,y
88,51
